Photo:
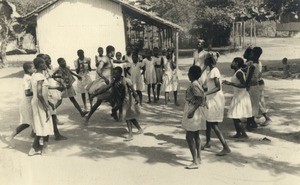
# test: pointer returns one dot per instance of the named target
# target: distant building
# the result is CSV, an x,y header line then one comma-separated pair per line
x,y
62,27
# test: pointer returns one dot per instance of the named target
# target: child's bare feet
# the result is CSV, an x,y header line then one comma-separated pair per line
x,y
225,151
9,141
207,145
129,138
140,131
32,152
84,113
194,165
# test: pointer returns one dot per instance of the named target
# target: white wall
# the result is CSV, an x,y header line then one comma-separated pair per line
x,y
70,25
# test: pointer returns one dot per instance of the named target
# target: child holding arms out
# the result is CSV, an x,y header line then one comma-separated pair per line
x,y
240,106
66,81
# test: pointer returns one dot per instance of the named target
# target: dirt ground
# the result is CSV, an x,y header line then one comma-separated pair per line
x,y
97,154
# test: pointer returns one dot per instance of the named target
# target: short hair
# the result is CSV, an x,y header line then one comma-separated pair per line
x,y
247,53
41,55
285,59
59,60
257,51
119,69
155,49
212,57
27,66
80,51
195,71
118,53
109,49
100,48
37,62
239,61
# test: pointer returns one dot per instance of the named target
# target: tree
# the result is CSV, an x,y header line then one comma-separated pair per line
x,y
8,25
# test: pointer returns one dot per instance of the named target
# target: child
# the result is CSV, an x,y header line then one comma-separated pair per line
x,y
129,100
240,106
193,116
128,57
83,68
159,65
252,85
104,71
54,96
134,73
42,120
98,57
170,78
66,81
119,62
215,103
25,109
150,76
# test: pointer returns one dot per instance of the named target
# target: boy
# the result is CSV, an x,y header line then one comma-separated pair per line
x,y
25,109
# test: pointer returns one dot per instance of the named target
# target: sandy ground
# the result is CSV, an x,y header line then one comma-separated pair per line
x,y
97,154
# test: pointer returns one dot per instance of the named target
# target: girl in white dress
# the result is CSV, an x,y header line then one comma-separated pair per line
x,y
83,68
159,65
215,104
170,77
135,75
150,76
193,115
240,106
42,119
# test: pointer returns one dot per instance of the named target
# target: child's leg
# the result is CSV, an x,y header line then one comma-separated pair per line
x,y
166,97
36,147
175,98
158,90
137,125
91,101
251,123
191,143
73,100
129,126
198,145
207,134
236,126
19,129
57,135
149,91
140,96
83,100
58,103
153,91
45,144
226,148
93,109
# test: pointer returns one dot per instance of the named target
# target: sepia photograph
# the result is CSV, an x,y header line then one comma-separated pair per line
x,y
151,92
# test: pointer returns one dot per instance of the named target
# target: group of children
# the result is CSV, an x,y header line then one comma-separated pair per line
x,y
204,107
120,82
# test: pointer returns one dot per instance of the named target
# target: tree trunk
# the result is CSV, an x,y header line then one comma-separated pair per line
x,y
3,53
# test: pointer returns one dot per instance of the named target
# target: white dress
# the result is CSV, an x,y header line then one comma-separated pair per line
x,y
170,78
215,101
240,106
25,108
136,76
254,91
197,122
150,75
84,73
42,126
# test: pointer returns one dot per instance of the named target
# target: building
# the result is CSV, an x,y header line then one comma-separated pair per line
x,y
61,27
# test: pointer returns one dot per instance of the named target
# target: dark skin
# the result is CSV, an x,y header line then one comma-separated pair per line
x,y
100,52
99,68
240,131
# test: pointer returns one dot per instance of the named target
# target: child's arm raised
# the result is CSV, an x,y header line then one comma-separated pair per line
x,y
74,74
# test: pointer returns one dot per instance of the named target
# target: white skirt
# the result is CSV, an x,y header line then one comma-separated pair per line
x,y
240,106
215,104
197,122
